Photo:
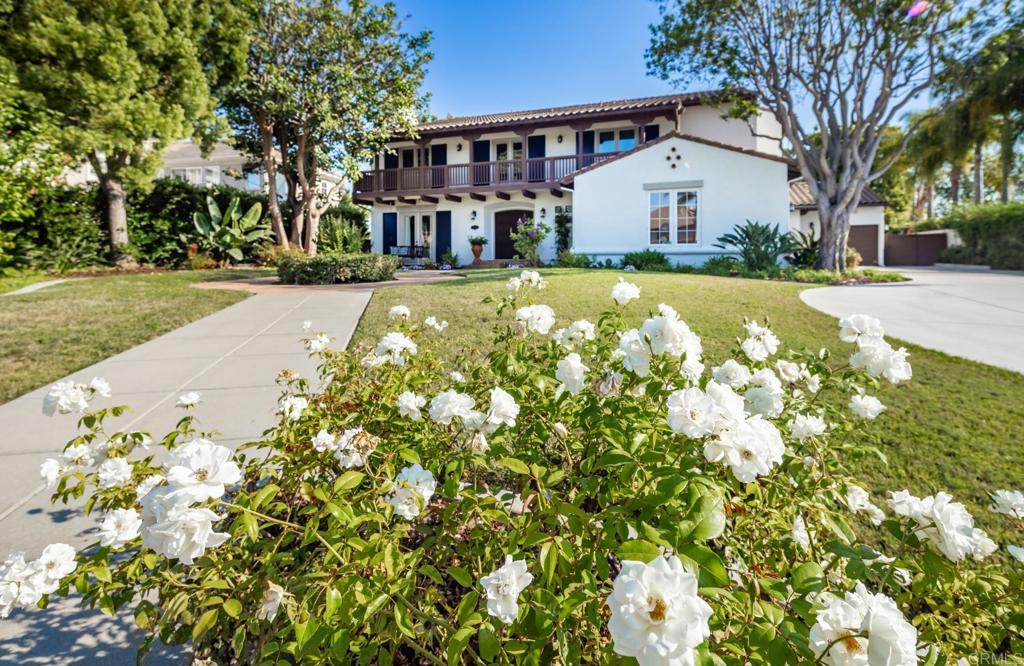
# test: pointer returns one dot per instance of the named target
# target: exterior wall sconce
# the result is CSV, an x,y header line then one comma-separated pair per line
x,y
559,138
458,147
543,213
472,215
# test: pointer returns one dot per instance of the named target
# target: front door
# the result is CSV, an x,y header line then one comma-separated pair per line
x,y
504,223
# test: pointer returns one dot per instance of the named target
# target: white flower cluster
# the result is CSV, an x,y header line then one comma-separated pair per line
x,y
317,343
432,322
1009,502
945,524
100,456
291,407
863,629
858,500
351,448
398,312
535,318
574,335
760,342
526,280
188,399
624,292
502,587
874,355
69,397
664,334
412,491
23,584
449,405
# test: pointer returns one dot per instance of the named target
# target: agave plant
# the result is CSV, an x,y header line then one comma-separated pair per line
x,y
759,245
231,234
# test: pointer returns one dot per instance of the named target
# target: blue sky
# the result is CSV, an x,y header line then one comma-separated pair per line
x,y
494,56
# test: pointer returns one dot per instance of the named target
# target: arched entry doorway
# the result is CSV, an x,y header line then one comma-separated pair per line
x,y
504,223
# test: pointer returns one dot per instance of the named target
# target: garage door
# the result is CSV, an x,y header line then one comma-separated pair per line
x,y
864,237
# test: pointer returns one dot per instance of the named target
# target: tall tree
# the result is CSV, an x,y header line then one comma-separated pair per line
x,y
331,83
852,66
121,78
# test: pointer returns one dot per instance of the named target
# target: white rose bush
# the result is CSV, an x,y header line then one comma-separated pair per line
x,y
593,493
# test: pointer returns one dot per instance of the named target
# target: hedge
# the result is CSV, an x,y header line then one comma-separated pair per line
x,y
993,235
332,268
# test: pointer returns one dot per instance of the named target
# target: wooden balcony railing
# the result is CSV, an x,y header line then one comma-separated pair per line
x,y
539,170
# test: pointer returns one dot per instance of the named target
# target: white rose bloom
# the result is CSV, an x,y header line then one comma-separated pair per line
x,y
270,602
751,449
692,369
859,501
317,344
178,531
56,562
866,406
657,617
607,383
292,406
202,470
457,377
764,401
572,373
760,343
100,386
477,443
1017,552
66,398
503,410
502,587
803,427
575,334
692,413
413,489
514,284
77,456
789,372
636,354
536,318
1009,502
353,447
324,441
879,359
864,629
624,292
306,326
450,404
945,523
860,327
114,472
532,279
813,381
119,527
431,322
732,374
16,584
50,472
409,405
398,312
799,533
668,334
730,406
393,347
190,399
148,484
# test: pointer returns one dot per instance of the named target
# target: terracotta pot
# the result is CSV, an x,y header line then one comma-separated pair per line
x,y
477,251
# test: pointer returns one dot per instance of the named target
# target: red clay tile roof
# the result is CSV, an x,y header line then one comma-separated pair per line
x,y
801,199
574,111
686,137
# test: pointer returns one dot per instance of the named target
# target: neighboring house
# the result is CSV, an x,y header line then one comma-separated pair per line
x,y
867,225
224,165
667,173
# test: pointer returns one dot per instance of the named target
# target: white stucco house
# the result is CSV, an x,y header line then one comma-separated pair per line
x,y
667,173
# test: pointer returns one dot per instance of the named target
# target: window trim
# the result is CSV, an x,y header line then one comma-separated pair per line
x,y
673,217
617,131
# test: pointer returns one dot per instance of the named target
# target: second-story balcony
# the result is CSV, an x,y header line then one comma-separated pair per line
x,y
476,176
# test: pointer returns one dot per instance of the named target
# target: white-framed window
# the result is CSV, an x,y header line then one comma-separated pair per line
x,y
211,175
615,140
673,217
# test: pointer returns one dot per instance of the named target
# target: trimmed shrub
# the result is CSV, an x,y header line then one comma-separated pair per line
x,y
993,235
568,259
647,260
333,268
722,265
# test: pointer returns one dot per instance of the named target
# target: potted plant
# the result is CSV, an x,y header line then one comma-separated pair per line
x,y
477,244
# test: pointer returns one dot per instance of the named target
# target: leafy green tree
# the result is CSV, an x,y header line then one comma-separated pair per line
x,y
327,86
850,66
121,78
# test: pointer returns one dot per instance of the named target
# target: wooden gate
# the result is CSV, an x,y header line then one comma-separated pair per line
x,y
913,249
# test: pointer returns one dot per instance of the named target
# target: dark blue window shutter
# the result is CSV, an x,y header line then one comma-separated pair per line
x,y
390,232
443,233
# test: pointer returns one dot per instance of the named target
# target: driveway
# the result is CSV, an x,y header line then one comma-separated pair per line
x,y
231,358
978,315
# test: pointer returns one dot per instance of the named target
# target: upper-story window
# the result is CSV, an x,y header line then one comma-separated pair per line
x,y
198,175
673,217
615,140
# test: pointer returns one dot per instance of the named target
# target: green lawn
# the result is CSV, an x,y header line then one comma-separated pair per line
x,y
48,334
958,426
20,279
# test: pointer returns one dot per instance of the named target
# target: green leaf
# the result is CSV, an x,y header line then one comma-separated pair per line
x,y
348,480
205,623
488,642
517,466
461,576
101,573
712,570
467,606
233,607
638,550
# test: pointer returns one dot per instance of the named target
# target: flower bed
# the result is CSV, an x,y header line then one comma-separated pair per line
x,y
332,268
596,490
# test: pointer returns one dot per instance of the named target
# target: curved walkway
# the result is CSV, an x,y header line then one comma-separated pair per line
x,y
978,315
231,358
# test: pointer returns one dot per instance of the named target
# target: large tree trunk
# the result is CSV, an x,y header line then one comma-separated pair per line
x,y
270,169
979,173
954,183
835,228
117,215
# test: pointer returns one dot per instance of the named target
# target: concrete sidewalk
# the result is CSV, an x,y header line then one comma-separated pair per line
x,y
973,314
231,358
